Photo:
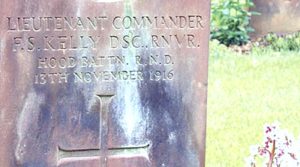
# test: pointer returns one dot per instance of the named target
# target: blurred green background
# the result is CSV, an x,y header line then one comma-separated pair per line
x,y
248,90
245,92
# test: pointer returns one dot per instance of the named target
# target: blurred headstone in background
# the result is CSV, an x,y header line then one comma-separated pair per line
x,y
278,16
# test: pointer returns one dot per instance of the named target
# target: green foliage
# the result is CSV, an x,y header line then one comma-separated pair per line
x,y
244,93
218,50
230,21
289,42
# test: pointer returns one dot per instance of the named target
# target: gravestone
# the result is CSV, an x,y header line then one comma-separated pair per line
x,y
277,16
103,83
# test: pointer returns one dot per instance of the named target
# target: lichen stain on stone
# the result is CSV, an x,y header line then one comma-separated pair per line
x,y
24,124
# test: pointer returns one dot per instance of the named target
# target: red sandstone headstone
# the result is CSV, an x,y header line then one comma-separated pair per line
x,y
110,83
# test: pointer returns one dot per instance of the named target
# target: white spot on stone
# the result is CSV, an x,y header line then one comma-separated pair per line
x,y
131,119
172,138
27,115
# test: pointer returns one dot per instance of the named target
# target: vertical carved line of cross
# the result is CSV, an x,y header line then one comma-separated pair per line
x,y
103,127
104,151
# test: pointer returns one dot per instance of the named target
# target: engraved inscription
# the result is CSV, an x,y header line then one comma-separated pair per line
x,y
60,23
97,49
104,151
55,23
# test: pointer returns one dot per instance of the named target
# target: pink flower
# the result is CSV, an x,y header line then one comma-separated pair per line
x,y
279,148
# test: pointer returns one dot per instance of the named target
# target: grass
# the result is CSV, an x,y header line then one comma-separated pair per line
x,y
245,93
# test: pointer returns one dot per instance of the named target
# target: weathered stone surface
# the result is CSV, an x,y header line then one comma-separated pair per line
x,y
278,16
116,83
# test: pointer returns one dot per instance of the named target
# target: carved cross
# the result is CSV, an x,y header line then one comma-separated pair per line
x,y
104,152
